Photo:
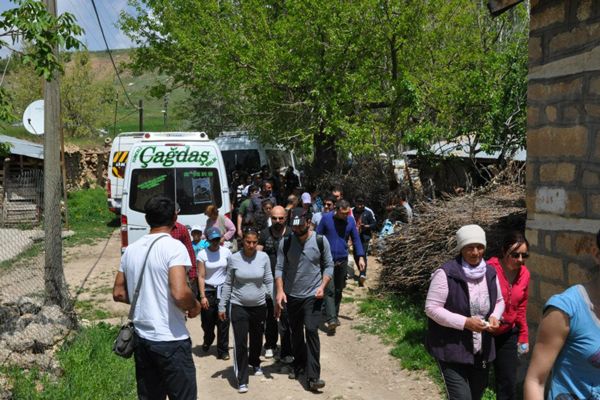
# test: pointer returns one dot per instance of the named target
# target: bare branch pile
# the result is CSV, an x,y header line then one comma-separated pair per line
x,y
409,257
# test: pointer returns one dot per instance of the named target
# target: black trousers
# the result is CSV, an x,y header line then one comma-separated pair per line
x,y
464,382
165,368
210,320
285,334
248,322
334,290
305,315
505,365
271,328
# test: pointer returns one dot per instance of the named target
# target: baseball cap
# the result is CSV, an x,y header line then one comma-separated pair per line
x,y
196,228
298,216
306,198
212,233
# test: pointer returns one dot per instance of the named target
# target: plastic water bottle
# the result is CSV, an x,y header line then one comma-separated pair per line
x,y
522,349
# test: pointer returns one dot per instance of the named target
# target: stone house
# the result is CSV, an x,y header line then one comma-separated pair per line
x,y
563,144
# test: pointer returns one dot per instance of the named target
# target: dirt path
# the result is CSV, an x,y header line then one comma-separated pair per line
x,y
355,366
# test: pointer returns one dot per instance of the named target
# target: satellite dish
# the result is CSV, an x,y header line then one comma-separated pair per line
x,y
33,118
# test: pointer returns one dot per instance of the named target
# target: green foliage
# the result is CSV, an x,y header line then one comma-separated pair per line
x,y
88,309
30,23
91,371
5,149
360,76
89,216
86,101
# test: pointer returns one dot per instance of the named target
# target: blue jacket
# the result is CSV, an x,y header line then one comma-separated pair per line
x,y
337,232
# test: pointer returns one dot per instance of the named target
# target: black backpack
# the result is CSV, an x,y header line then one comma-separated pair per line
x,y
287,242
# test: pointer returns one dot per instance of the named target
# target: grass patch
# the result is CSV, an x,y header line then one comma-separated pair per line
x,y
89,216
347,299
87,309
91,371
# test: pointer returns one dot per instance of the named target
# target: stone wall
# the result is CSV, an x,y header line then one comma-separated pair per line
x,y
563,145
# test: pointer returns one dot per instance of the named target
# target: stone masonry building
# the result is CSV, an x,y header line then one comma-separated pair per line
x,y
563,145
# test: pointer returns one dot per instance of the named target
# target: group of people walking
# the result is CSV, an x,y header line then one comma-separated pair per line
x,y
288,278
281,286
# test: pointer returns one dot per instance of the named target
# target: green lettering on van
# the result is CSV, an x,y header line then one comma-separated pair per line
x,y
152,183
150,155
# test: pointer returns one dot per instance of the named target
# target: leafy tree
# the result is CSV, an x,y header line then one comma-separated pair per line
x,y
85,100
29,22
340,76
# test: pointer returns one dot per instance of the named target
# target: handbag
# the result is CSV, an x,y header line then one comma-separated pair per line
x,y
124,344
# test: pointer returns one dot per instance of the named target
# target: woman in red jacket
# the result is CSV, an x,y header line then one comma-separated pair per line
x,y
512,337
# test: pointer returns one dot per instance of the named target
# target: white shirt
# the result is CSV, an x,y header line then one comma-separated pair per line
x,y
156,317
215,264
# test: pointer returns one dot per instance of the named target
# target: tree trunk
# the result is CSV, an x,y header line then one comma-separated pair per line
x,y
325,152
55,285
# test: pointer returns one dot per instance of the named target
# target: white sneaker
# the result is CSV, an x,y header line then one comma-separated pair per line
x,y
258,371
243,389
269,353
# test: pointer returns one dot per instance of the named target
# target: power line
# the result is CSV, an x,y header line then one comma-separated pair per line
x,y
5,68
110,55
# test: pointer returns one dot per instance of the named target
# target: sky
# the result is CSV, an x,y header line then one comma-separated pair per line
x,y
108,10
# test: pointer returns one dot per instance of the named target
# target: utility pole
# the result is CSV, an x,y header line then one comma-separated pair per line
x,y
165,110
55,285
141,111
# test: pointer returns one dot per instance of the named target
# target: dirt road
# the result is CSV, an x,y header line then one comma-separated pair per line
x,y
355,366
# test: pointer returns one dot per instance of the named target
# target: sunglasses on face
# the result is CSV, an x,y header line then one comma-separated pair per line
x,y
277,218
516,255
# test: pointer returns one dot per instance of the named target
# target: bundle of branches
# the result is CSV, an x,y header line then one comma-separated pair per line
x,y
412,254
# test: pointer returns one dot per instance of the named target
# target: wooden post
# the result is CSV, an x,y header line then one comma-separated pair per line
x,y
55,285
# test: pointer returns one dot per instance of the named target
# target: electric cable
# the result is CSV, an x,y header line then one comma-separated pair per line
x,y
110,55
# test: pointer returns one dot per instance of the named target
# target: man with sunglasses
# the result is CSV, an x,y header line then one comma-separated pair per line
x,y
327,207
268,241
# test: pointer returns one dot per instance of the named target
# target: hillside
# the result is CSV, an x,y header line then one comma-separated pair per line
x,y
127,117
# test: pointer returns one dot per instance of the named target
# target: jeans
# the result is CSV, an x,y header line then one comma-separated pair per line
x,y
334,290
505,365
247,322
210,320
463,381
305,316
165,368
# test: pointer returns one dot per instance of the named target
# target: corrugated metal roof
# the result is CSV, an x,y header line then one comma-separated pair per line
x,y
23,147
462,150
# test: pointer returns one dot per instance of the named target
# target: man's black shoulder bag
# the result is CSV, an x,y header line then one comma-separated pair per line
x,y
124,344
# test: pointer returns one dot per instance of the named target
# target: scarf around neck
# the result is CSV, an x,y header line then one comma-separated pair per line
x,y
473,273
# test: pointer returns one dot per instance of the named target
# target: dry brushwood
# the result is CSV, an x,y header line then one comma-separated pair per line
x,y
409,257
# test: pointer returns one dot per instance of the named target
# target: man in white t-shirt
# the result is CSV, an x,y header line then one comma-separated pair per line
x,y
163,353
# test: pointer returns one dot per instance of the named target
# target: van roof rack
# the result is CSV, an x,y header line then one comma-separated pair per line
x,y
163,136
